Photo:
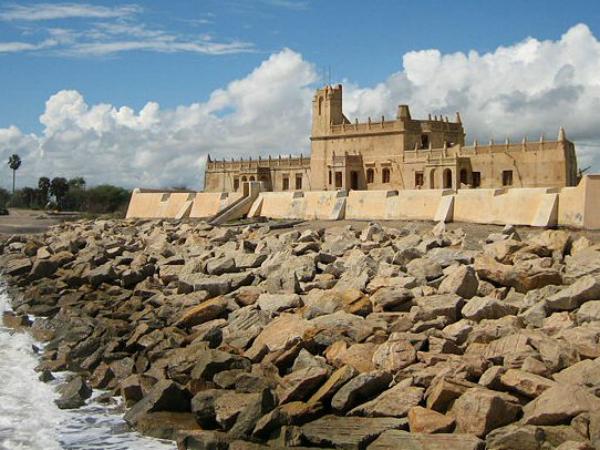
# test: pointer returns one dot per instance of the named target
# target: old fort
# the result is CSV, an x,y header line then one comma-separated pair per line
x,y
393,169
402,153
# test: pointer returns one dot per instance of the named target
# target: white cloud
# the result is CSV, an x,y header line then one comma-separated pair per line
x,y
268,111
526,88
54,11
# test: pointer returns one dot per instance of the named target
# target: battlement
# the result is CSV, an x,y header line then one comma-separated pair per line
x,y
281,162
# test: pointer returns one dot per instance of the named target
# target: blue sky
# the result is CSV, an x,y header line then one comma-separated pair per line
x,y
80,56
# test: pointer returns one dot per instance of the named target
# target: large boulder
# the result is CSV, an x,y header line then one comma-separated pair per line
x,y
558,404
573,296
462,281
522,277
165,395
478,411
74,394
423,420
360,388
479,308
395,402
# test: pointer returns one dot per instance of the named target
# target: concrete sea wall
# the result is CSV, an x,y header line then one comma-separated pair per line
x,y
577,207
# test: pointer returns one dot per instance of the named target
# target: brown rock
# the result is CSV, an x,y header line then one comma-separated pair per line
x,y
208,310
402,440
423,420
337,379
558,404
394,355
442,393
525,383
395,402
478,411
300,384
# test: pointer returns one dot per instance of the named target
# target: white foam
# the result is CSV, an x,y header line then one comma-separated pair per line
x,y
30,420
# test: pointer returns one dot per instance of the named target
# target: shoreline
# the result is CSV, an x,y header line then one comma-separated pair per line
x,y
340,335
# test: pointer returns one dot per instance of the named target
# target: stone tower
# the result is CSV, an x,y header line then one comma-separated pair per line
x,y
327,109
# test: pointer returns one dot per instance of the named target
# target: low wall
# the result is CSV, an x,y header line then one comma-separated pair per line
x,y
516,206
577,207
155,205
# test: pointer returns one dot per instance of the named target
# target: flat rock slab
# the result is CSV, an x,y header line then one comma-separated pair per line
x,y
348,432
396,439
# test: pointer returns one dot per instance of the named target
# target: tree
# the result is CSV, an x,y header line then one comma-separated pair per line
x,y
77,183
44,188
59,188
14,162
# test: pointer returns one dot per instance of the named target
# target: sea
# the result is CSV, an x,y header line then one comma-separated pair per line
x,y
29,419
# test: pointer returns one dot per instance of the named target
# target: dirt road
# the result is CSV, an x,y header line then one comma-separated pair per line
x,y
25,221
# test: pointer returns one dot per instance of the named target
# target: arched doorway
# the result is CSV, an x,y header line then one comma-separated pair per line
x,y
252,178
432,179
463,177
447,179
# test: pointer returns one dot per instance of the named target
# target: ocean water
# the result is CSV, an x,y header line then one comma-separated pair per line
x,y
29,419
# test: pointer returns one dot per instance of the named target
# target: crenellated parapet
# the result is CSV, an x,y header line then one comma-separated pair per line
x,y
240,165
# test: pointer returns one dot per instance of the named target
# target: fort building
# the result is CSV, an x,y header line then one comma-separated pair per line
x,y
398,154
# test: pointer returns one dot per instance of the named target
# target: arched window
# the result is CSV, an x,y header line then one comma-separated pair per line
x,y
244,179
447,179
385,175
252,178
370,176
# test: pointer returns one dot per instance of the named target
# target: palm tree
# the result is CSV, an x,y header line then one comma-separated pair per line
x,y
14,162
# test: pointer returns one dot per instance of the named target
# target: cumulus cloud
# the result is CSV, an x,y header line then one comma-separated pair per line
x,y
531,87
266,112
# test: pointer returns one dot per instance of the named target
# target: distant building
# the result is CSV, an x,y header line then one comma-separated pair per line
x,y
402,153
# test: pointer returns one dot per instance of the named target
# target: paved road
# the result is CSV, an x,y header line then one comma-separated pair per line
x,y
24,221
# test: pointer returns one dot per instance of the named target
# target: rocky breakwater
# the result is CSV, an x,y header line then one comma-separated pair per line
x,y
237,338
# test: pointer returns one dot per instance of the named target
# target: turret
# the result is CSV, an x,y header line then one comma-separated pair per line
x,y
403,112
327,109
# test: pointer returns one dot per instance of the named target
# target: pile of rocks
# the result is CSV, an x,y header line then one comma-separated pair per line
x,y
368,337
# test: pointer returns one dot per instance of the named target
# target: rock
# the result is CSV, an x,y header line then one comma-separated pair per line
x,y
558,241
347,432
394,355
230,404
359,356
444,391
16,266
521,277
573,296
337,379
574,445
301,384
424,268
479,308
360,388
580,244
42,268
558,404
583,373
434,306
219,266
395,402
210,362
294,413
165,395
403,440
275,303
525,383
165,424
462,281
248,418
530,437
102,274
279,331
305,359
588,312
73,394
392,299
423,420
478,411
204,312
203,440
203,406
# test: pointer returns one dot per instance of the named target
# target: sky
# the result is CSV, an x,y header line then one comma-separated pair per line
x,y
139,93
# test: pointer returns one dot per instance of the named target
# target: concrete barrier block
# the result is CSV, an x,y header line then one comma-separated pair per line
x,y
256,207
547,212
184,211
445,211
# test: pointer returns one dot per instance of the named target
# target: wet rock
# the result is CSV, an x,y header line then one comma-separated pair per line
x,y
165,395
73,394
